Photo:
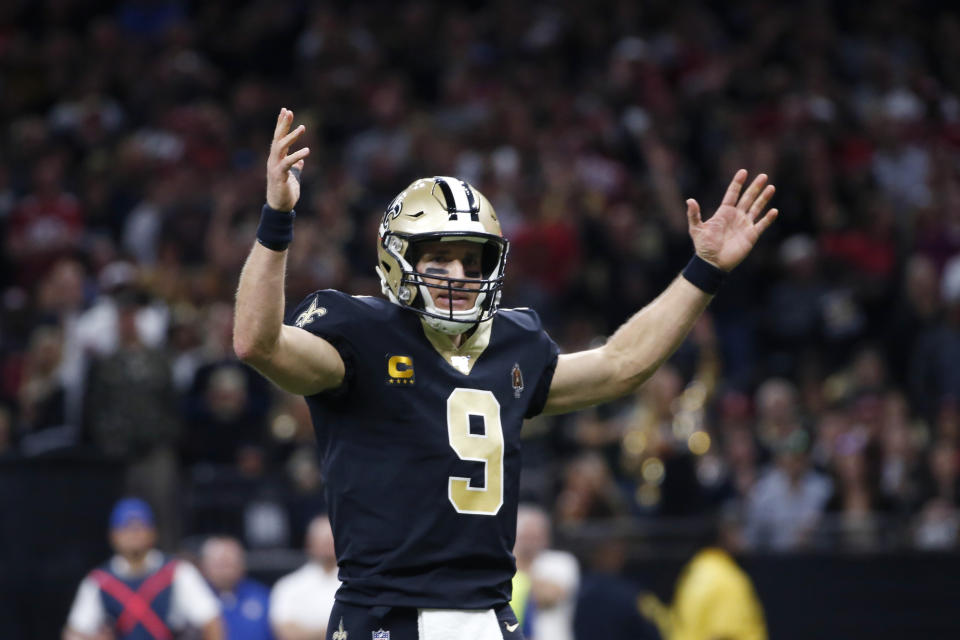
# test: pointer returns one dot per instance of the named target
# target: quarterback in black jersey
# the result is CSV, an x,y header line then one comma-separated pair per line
x,y
418,398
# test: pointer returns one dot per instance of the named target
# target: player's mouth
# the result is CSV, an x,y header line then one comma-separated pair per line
x,y
458,301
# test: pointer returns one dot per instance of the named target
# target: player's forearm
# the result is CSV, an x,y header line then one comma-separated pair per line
x,y
258,315
632,353
647,339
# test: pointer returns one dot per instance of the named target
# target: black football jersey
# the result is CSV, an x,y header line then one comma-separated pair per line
x,y
420,449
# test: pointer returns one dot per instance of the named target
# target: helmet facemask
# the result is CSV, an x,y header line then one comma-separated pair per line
x,y
415,288
441,209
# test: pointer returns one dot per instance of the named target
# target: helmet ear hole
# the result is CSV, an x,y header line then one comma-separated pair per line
x,y
386,267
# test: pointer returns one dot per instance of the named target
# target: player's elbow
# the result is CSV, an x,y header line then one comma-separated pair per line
x,y
248,349
244,348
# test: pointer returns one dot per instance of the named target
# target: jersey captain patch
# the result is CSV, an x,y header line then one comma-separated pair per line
x,y
400,370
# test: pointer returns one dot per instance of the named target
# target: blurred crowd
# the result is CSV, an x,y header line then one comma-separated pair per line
x,y
817,404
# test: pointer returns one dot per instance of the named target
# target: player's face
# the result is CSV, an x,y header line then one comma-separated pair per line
x,y
457,259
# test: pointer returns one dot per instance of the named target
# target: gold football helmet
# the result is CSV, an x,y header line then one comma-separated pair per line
x,y
440,209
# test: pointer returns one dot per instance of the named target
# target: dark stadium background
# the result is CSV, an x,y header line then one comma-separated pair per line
x,y
131,176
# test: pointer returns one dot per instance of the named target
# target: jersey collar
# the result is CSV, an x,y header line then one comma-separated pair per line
x,y
463,358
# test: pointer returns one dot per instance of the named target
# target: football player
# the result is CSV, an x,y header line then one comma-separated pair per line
x,y
417,398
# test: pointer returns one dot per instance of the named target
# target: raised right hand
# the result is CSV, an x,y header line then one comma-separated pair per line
x,y
283,187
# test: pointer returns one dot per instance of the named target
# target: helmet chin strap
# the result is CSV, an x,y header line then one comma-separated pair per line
x,y
448,326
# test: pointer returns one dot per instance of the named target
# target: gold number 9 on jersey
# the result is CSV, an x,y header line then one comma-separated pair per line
x,y
486,447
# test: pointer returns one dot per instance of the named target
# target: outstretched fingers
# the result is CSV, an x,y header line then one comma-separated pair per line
x,y
758,205
283,124
281,146
294,158
282,139
733,190
750,195
763,223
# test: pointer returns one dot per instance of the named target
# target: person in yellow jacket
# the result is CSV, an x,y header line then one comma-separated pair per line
x,y
714,600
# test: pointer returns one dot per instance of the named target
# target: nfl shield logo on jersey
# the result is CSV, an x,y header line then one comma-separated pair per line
x,y
381,635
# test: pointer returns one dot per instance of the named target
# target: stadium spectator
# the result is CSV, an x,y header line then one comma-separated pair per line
x,y
937,526
95,332
915,311
858,506
533,536
589,492
608,602
300,603
244,602
140,592
713,596
47,223
900,454
942,475
43,404
788,500
132,417
554,581
742,457
6,433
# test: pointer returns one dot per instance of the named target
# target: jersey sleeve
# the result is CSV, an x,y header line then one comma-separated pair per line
x,y
193,600
335,317
549,352
87,614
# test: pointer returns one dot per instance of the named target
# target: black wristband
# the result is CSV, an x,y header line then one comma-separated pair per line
x,y
276,228
704,275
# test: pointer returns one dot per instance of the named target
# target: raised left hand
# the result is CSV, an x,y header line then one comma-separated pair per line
x,y
283,184
726,238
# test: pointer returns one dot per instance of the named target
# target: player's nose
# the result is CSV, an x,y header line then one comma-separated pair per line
x,y
455,268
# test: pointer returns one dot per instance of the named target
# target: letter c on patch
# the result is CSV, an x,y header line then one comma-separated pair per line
x,y
400,367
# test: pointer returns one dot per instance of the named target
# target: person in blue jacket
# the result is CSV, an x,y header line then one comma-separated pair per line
x,y
244,602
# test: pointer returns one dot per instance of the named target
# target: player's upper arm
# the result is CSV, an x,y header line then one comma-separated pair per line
x,y
583,379
301,362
